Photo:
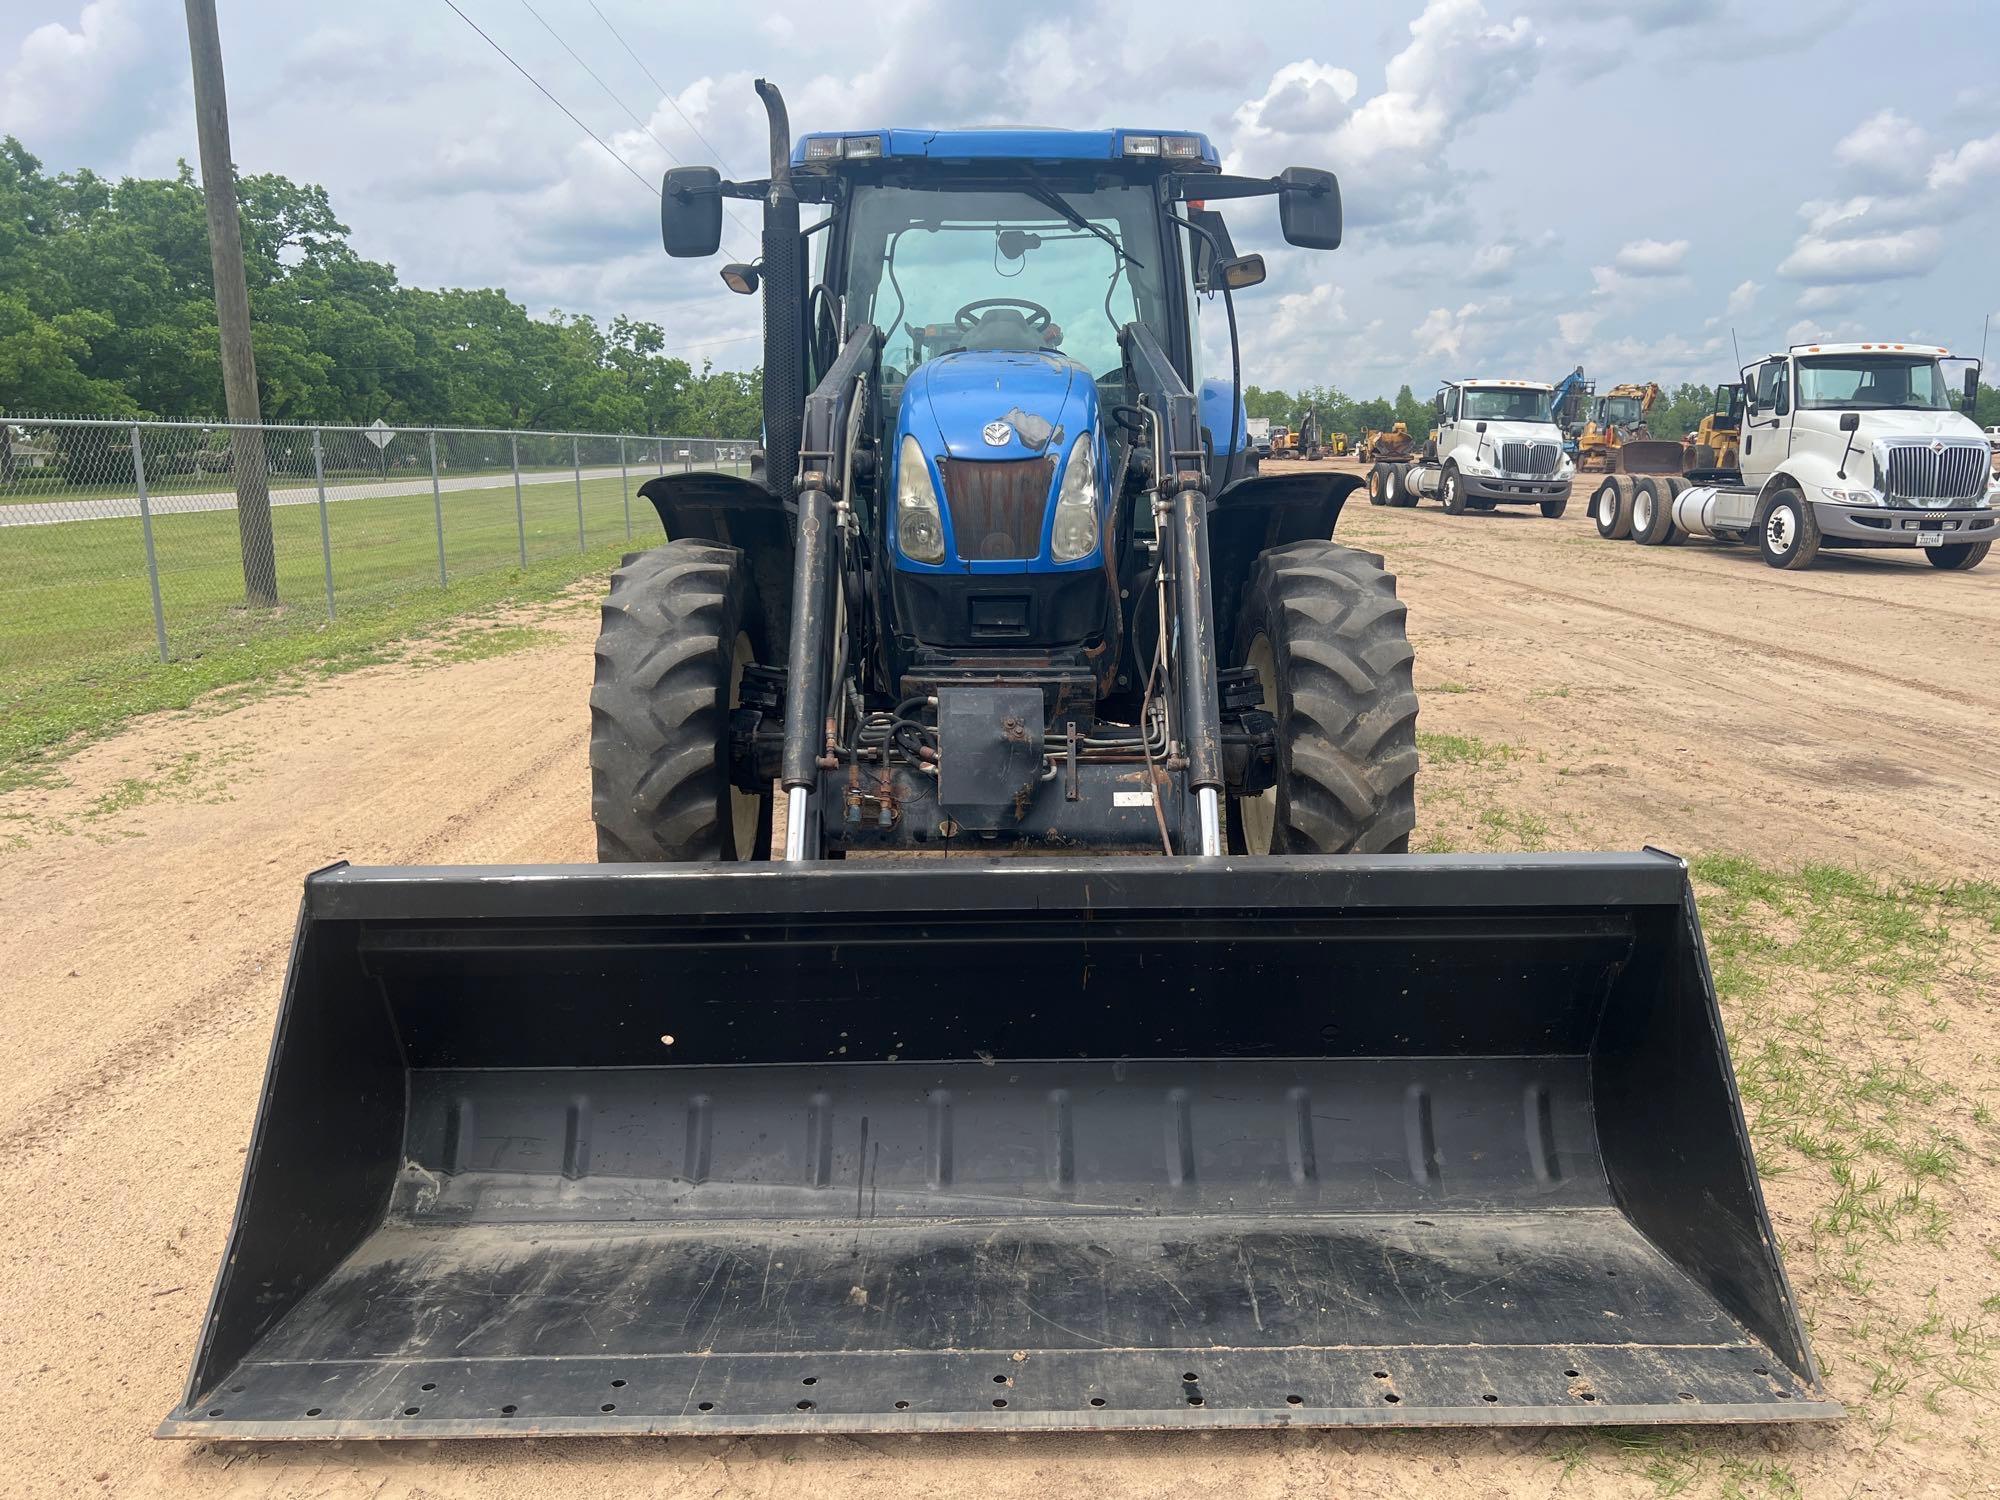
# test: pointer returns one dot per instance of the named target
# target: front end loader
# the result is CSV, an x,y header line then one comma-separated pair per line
x,y
741,1130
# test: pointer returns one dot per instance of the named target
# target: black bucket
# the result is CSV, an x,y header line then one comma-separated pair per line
x,y
941,1145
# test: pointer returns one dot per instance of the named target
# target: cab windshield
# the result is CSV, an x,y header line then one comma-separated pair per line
x,y
1506,404
1622,411
1871,382
940,271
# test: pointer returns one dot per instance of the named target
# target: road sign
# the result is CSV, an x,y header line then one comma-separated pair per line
x,y
379,432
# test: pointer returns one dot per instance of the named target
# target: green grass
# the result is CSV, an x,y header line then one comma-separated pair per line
x,y
1462,749
48,712
77,645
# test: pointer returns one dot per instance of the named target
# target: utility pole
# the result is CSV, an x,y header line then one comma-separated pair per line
x,y
232,309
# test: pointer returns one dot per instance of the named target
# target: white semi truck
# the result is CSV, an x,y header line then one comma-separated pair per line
x,y
1497,443
1843,445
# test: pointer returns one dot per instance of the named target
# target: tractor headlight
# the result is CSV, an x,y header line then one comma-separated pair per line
x,y
1074,535
919,525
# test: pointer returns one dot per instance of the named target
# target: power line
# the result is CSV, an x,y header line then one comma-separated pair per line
x,y
554,100
663,92
630,113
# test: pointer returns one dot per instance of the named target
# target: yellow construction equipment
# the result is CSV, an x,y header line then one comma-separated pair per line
x,y
1301,441
1395,443
1617,415
1712,446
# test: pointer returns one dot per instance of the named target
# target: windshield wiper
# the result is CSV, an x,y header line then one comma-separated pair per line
x,y
1050,198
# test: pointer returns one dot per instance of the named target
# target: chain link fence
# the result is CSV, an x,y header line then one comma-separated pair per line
x,y
176,538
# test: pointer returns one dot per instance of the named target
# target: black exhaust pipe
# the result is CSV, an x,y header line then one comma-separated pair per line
x,y
784,282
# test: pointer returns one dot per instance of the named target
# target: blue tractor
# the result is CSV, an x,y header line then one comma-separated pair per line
x,y
664,1144
1007,574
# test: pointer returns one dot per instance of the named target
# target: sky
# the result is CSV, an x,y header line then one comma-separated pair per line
x,y
1640,188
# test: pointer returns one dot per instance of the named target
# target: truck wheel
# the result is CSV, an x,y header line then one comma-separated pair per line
x,y
1325,633
1788,534
679,626
1553,509
1652,512
1377,492
1451,490
1959,558
1611,508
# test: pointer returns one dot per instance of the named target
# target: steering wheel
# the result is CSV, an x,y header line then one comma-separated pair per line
x,y
1038,316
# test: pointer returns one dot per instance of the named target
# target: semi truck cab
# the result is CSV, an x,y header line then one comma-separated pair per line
x,y
1854,445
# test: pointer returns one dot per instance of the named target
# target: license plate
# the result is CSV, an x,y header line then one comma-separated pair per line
x,y
1930,539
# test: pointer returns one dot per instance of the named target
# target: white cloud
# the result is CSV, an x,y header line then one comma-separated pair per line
x,y
1492,265
78,84
1651,257
1831,298
1970,164
1458,335
1742,299
1879,257
1887,148
1458,66
1578,327
778,30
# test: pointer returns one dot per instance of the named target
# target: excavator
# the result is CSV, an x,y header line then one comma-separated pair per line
x,y
1299,442
1616,417
1005,999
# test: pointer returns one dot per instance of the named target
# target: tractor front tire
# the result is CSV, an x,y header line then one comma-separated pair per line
x,y
1325,633
679,626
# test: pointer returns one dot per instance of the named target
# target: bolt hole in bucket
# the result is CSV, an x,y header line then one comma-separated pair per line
x,y
1512,1038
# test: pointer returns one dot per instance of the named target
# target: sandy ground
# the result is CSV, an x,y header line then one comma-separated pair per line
x,y
1686,697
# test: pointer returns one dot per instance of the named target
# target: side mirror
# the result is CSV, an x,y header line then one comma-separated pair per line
x,y
1242,273
1480,428
1309,208
691,212
1972,390
740,279
1750,400
1850,421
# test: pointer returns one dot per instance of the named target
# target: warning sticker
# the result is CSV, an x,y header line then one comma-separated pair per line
x,y
1131,799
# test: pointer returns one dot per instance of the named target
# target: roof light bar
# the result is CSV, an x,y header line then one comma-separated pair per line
x,y
1142,145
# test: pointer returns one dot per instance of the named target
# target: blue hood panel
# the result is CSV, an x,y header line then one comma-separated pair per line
x,y
967,391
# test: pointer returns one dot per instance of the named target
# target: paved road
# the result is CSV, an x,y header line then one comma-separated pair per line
x,y
126,508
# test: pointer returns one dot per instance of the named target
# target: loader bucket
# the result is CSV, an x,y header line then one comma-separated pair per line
x,y
952,1145
1649,456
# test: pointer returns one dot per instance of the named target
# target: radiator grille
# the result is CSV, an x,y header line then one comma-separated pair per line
x,y
1930,473
1537,459
997,506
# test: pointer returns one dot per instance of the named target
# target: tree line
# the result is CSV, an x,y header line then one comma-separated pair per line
x,y
107,309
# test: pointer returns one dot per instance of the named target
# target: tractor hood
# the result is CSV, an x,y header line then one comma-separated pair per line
x,y
1042,400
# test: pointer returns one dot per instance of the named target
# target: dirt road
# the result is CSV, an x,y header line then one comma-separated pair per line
x,y
1611,695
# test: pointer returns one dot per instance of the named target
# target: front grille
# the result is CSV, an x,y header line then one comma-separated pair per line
x,y
1533,459
997,506
1944,474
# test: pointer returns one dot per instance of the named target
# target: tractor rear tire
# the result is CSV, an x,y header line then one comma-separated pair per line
x,y
1324,631
679,626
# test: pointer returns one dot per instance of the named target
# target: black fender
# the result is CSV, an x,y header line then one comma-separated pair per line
x,y
1261,512
739,513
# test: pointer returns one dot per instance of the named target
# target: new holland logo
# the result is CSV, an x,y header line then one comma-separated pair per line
x,y
997,434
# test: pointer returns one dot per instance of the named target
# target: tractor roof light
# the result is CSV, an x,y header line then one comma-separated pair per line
x,y
1142,145
822,147
1180,145
862,147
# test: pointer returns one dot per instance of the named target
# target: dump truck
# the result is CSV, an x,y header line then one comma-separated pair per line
x,y
1280,1126
1496,443
1844,446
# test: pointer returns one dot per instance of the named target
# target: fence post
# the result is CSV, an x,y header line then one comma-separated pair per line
x,y
660,455
625,484
152,558
520,519
576,466
437,507
325,537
